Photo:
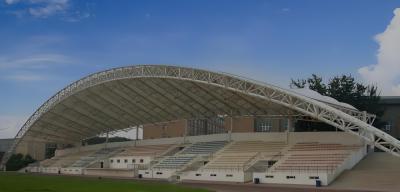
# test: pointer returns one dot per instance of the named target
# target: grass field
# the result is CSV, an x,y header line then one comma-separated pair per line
x,y
10,182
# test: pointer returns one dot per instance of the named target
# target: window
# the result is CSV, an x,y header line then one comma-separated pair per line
x,y
229,175
112,161
213,175
269,176
388,127
126,161
285,124
159,173
118,161
263,125
314,177
198,174
290,177
133,160
141,160
206,126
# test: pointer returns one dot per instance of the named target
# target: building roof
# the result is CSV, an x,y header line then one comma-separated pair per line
x,y
120,98
393,100
315,95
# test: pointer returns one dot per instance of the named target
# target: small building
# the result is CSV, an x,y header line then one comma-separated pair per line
x,y
391,116
5,144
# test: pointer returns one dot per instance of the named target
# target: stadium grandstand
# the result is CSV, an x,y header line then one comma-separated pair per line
x,y
197,125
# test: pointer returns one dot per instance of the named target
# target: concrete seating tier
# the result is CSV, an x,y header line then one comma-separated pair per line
x,y
65,160
84,161
255,146
204,147
314,146
150,150
230,161
239,154
49,162
173,162
315,156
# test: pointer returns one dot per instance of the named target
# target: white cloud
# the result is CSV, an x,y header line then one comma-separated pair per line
x,y
9,2
25,77
386,73
9,125
48,7
31,68
77,16
39,61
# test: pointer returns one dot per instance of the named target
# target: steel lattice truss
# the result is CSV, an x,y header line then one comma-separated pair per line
x,y
104,102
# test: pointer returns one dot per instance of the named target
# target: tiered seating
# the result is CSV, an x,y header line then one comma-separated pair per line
x,y
315,157
150,150
204,147
237,155
86,160
174,162
64,161
188,154
49,162
255,146
315,146
230,161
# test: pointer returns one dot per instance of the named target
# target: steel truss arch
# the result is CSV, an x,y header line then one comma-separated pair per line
x,y
348,120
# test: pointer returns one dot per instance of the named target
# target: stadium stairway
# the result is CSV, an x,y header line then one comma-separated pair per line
x,y
203,148
186,155
236,161
242,155
191,157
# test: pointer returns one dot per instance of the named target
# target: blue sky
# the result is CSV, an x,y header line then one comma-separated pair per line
x,y
47,44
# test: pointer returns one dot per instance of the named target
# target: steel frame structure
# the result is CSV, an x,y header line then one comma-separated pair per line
x,y
349,120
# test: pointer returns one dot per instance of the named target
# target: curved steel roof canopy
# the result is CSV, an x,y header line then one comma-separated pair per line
x,y
122,97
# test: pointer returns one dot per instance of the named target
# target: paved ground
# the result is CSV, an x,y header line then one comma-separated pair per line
x,y
222,187
378,171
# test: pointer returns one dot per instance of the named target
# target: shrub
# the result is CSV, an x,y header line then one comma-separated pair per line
x,y
18,161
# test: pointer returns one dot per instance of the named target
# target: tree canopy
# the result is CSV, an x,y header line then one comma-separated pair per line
x,y
18,161
345,89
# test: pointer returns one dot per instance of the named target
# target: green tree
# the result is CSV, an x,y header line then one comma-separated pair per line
x,y
18,161
345,89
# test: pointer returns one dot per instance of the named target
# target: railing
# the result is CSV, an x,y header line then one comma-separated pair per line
x,y
251,161
190,163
